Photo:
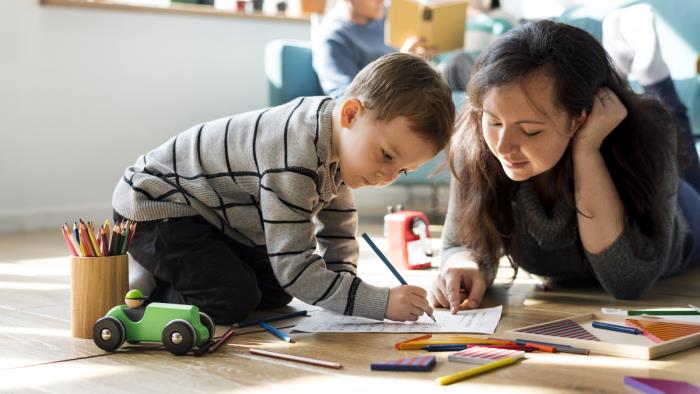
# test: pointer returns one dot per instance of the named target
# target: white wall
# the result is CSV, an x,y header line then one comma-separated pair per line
x,y
83,92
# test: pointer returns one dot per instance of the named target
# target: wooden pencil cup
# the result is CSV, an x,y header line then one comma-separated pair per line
x,y
97,285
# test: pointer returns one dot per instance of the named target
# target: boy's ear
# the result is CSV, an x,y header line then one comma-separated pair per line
x,y
350,110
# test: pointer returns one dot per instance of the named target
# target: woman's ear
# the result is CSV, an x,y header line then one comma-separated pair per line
x,y
350,110
578,121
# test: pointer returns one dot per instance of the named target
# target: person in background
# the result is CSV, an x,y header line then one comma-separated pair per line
x,y
351,36
629,36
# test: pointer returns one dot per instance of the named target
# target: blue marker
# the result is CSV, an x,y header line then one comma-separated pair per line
x,y
615,327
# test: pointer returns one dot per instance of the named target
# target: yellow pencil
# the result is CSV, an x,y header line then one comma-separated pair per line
x,y
93,241
467,373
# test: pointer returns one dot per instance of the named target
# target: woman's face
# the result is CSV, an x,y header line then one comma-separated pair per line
x,y
524,128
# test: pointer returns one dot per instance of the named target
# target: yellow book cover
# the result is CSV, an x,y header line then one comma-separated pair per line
x,y
441,23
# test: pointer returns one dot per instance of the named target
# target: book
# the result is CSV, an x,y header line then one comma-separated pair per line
x,y
440,23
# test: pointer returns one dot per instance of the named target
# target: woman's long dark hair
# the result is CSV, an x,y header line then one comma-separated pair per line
x,y
635,152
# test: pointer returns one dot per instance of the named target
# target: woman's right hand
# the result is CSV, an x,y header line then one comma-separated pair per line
x,y
460,287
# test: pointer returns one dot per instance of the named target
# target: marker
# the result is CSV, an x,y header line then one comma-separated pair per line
x,y
279,334
615,327
389,265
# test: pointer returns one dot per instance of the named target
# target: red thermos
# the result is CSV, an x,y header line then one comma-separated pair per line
x,y
409,239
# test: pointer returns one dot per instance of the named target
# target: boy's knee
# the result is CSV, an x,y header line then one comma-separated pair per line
x,y
233,304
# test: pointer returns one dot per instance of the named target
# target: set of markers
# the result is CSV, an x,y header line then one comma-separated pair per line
x,y
84,241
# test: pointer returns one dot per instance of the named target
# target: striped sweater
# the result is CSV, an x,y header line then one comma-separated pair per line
x,y
264,178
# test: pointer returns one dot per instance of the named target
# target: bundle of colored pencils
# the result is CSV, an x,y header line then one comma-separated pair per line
x,y
84,241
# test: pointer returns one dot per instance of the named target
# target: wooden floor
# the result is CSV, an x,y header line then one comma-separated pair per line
x,y
37,353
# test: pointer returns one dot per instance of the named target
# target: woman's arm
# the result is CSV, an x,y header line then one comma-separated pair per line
x,y
601,214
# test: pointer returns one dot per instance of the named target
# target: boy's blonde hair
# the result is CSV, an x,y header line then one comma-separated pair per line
x,y
401,84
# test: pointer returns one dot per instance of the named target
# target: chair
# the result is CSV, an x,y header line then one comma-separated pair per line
x,y
289,71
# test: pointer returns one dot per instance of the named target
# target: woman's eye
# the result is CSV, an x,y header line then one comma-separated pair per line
x,y
494,124
532,133
403,172
386,156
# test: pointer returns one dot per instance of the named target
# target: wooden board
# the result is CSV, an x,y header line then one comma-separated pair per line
x,y
610,343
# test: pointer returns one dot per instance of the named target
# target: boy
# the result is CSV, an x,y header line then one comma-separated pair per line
x,y
247,211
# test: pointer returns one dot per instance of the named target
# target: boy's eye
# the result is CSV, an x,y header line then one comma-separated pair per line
x,y
494,124
403,171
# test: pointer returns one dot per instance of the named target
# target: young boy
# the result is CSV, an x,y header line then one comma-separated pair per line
x,y
245,212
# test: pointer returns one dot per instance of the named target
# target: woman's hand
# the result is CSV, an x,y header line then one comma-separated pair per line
x,y
407,303
458,288
606,114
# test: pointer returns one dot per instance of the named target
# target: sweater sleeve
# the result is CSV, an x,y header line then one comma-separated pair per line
x,y
633,263
451,244
336,230
286,202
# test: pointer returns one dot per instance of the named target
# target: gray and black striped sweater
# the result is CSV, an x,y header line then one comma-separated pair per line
x,y
264,178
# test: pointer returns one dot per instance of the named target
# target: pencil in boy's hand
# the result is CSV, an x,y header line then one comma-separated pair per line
x,y
389,265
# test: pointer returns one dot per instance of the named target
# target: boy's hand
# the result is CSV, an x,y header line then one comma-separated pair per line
x,y
407,303
458,288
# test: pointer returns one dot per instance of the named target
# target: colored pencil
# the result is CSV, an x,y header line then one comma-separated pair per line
x,y
418,338
289,357
444,348
68,241
556,346
213,345
449,379
389,265
615,327
418,345
93,239
246,323
125,240
279,334
541,347
663,312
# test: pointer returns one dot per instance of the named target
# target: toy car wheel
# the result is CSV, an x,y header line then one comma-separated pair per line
x,y
108,333
208,323
178,337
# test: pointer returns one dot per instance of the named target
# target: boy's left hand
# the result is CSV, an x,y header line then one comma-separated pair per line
x,y
606,114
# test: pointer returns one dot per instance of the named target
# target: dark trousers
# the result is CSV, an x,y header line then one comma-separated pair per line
x,y
666,92
195,263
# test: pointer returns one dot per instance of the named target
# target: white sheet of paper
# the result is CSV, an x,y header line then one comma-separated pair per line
x,y
476,321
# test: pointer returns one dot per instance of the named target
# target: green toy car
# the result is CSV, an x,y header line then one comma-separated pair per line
x,y
178,327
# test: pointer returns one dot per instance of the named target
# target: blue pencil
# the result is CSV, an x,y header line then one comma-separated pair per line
x,y
615,327
279,334
388,264
444,348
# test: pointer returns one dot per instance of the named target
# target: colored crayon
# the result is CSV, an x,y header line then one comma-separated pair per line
x,y
615,327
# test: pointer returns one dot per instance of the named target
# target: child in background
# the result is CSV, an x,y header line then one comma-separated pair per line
x,y
247,211
561,167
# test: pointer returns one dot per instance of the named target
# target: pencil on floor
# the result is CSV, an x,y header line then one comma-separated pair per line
x,y
289,357
274,331
449,379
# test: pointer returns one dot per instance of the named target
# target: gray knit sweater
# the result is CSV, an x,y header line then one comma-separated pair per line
x,y
264,178
550,245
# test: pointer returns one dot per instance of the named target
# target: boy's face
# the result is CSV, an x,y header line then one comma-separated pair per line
x,y
375,153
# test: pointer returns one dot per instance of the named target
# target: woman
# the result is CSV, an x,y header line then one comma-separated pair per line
x,y
558,165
